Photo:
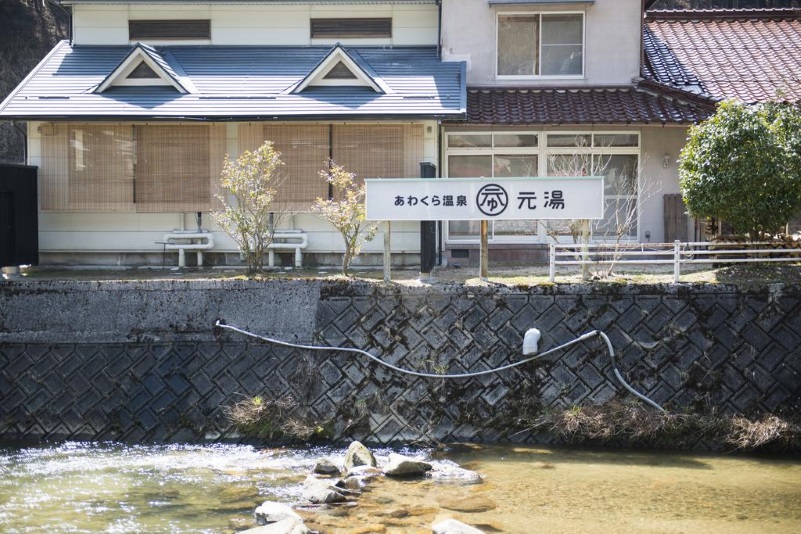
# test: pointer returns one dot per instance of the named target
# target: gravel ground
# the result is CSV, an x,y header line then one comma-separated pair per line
x,y
512,275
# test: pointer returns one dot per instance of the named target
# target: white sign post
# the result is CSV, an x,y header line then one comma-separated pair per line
x,y
412,199
484,199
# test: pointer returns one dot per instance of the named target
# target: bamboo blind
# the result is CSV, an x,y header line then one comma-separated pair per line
x,y
369,151
177,167
127,168
304,151
379,151
87,168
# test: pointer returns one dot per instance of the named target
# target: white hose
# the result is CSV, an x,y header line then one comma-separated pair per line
x,y
462,375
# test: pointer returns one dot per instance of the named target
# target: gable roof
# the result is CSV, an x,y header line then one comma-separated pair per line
x,y
150,56
362,73
238,83
622,105
752,55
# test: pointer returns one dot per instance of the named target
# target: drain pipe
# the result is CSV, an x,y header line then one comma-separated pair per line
x,y
530,341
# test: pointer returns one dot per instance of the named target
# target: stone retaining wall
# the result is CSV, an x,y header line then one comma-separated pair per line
x,y
142,361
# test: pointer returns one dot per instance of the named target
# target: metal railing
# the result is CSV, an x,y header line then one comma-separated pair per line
x,y
676,254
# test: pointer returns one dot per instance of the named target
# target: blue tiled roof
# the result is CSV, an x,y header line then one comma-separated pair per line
x,y
238,83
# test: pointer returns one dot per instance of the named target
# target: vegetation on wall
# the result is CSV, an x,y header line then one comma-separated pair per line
x,y
742,166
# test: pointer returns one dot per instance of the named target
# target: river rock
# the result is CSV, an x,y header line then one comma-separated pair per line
x,y
452,526
468,504
364,472
321,492
448,473
324,466
273,512
357,454
403,466
285,526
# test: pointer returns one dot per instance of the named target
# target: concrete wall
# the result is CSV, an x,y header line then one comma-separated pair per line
x,y
611,51
141,361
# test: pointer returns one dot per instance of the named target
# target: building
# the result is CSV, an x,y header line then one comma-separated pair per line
x,y
130,120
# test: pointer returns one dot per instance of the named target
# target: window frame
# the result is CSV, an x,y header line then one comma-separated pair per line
x,y
543,152
512,77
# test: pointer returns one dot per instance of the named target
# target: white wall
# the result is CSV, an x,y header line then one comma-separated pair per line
x,y
612,40
414,24
72,232
658,180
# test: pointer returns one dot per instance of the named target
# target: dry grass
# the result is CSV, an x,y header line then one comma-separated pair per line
x,y
272,419
639,425
747,434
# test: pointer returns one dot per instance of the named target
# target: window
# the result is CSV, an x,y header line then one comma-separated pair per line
x,y
615,155
125,168
142,30
488,155
540,44
351,28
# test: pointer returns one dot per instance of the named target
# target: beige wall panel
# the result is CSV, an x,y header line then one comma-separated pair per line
x,y
612,40
154,11
257,36
98,18
414,36
100,36
657,180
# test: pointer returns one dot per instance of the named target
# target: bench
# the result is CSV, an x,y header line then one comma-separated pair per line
x,y
183,240
288,240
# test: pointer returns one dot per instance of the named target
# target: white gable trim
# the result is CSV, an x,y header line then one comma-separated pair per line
x,y
119,76
317,76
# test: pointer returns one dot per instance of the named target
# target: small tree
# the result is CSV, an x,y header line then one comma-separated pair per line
x,y
743,165
346,212
247,196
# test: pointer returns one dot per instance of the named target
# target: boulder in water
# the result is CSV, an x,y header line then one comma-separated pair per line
x,y
403,466
273,512
357,454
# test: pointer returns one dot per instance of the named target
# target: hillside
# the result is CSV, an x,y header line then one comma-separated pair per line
x,y
28,30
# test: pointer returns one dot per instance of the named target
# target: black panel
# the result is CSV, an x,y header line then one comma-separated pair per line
x,y
428,229
169,29
19,220
351,28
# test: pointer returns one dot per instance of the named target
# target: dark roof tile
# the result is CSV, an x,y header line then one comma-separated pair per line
x,y
593,105
750,55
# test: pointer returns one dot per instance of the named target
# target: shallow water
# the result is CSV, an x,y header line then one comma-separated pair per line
x,y
90,487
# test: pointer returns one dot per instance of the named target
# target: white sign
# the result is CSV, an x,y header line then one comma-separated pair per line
x,y
430,199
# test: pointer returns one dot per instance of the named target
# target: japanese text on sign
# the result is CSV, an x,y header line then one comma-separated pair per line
x,y
481,198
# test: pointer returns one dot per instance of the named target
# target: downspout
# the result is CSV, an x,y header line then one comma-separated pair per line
x,y
439,29
439,133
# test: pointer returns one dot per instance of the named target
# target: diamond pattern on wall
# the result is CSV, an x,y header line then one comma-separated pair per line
x,y
693,350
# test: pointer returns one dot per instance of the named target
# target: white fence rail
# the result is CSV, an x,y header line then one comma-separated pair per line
x,y
677,254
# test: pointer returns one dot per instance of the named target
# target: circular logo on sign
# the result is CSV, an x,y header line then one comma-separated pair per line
x,y
492,200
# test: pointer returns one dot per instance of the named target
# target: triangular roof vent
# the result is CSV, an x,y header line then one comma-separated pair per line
x,y
143,66
340,68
